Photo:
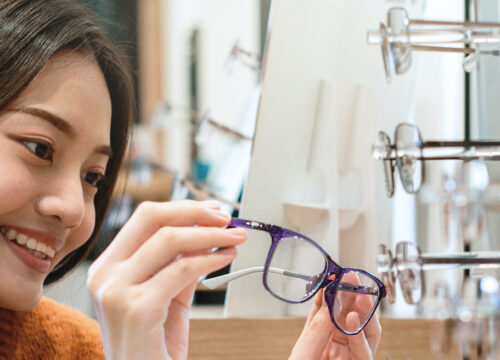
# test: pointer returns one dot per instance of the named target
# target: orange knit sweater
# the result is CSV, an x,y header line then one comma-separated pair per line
x,y
49,331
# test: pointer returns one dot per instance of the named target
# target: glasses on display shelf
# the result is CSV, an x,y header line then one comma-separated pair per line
x,y
463,199
203,124
409,263
471,318
409,152
207,126
401,35
247,58
182,187
346,290
203,192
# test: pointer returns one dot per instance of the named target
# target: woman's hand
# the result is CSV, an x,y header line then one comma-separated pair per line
x,y
142,285
321,340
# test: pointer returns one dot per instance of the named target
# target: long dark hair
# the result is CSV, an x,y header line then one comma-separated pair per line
x,y
31,32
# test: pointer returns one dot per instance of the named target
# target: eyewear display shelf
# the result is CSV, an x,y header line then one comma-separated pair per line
x,y
464,301
324,95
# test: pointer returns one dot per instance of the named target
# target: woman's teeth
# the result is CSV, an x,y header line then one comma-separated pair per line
x,y
34,247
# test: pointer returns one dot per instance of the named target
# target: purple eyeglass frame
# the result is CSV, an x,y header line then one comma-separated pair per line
x,y
332,268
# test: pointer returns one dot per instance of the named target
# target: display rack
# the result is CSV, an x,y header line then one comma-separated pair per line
x,y
324,98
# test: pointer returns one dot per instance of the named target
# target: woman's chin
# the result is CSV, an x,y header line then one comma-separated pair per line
x,y
20,301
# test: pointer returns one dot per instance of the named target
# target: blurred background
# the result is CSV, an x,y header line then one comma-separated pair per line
x,y
196,67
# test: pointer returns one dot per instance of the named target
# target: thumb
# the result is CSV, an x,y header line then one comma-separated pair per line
x,y
360,349
315,337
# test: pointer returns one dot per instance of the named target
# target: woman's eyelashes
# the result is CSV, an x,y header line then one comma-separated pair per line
x,y
93,179
45,151
40,149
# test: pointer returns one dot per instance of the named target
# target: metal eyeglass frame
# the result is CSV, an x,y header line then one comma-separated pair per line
x,y
400,266
401,35
250,59
198,121
315,283
392,154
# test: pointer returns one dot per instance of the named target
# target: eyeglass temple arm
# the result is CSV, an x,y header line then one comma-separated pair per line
x,y
217,281
379,152
453,50
369,290
458,260
464,24
378,37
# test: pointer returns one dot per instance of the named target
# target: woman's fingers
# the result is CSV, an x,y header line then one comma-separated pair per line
x,y
168,243
316,334
149,217
318,301
373,332
170,281
358,344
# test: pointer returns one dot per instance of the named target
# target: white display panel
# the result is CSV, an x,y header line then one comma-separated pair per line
x,y
324,98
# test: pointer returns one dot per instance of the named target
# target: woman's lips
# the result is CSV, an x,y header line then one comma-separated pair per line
x,y
34,262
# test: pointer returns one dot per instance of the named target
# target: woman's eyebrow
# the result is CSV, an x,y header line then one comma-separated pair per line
x,y
59,123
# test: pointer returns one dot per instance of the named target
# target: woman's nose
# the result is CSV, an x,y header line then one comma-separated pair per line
x,y
63,200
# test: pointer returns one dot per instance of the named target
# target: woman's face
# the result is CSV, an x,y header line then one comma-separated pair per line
x,y
54,147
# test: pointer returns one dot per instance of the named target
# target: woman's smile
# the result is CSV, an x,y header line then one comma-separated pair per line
x,y
34,248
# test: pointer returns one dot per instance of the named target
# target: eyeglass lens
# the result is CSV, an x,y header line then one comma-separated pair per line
x,y
296,280
408,154
409,272
400,52
354,300
388,165
386,53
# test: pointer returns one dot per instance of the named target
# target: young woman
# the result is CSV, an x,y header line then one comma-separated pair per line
x,y
66,106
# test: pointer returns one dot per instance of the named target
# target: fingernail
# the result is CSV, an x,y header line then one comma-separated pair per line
x,y
211,204
222,214
238,233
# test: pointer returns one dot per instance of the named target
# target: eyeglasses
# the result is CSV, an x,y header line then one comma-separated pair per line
x,y
250,59
402,35
346,290
408,266
203,124
409,151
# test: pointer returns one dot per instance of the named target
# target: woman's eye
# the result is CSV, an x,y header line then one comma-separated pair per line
x,y
41,150
93,178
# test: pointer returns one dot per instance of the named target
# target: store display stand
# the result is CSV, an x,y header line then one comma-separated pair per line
x,y
311,168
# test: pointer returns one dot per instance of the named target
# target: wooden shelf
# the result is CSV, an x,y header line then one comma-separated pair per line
x,y
271,339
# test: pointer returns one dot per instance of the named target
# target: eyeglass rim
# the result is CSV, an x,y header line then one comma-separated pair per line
x,y
420,270
390,186
399,158
330,299
277,233
386,56
404,48
390,284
